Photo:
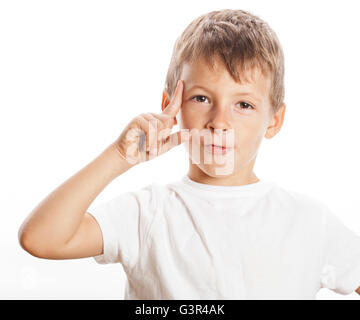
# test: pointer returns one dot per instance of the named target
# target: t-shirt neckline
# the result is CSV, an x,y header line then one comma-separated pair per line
x,y
252,189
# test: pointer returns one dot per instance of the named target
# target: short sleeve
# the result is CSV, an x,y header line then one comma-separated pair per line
x,y
124,222
341,267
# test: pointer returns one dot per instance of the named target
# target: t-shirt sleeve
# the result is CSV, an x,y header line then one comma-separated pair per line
x,y
124,222
341,268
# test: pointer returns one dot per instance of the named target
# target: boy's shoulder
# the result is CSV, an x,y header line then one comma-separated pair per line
x,y
302,200
281,202
276,192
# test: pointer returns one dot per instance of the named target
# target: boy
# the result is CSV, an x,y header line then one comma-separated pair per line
x,y
219,232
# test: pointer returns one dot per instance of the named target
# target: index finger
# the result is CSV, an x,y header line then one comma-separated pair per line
x,y
174,105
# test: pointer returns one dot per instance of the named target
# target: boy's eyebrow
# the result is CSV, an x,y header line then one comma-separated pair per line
x,y
240,93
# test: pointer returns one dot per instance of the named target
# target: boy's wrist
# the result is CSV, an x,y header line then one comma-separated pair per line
x,y
119,163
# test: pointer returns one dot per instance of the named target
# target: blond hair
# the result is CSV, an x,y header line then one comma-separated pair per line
x,y
240,39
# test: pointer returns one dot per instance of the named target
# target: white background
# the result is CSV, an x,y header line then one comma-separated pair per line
x,y
74,73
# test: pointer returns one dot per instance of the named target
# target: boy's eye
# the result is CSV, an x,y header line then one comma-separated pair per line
x,y
198,97
244,105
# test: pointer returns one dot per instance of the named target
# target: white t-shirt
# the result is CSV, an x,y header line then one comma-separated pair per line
x,y
188,240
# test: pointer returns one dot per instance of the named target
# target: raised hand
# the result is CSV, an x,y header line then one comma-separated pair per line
x,y
149,134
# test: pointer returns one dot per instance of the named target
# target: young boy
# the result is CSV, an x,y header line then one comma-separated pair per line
x,y
218,232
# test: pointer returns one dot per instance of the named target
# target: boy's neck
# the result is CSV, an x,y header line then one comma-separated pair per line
x,y
243,177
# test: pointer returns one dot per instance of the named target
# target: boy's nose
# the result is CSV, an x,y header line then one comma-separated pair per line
x,y
217,130
218,123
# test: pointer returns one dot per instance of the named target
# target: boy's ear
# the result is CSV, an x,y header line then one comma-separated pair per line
x,y
276,122
165,101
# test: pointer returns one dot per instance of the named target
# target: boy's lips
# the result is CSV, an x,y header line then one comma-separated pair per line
x,y
217,146
226,140
217,149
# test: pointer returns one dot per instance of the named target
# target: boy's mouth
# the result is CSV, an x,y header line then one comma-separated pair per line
x,y
217,149
217,146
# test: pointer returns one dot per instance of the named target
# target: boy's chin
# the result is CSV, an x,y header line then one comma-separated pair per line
x,y
214,165
217,170
217,167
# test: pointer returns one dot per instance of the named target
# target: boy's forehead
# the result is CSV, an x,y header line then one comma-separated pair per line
x,y
200,73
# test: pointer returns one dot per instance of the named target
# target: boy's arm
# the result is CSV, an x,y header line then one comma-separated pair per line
x,y
357,290
59,227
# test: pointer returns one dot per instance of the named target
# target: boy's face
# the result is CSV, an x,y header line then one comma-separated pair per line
x,y
224,112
